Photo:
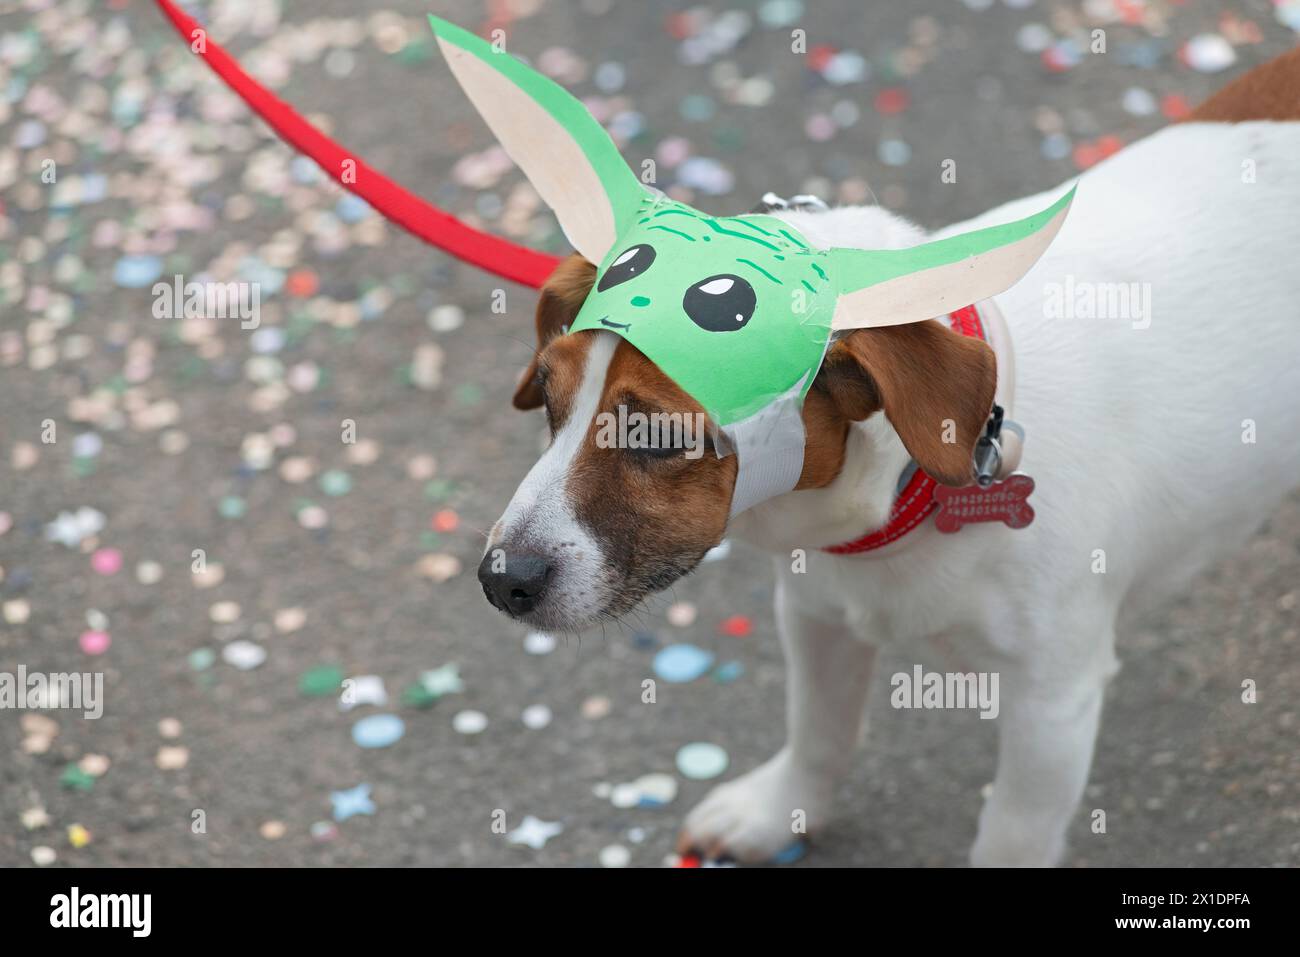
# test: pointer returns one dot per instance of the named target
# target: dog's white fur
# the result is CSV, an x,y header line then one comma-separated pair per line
x,y
1135,439
540,519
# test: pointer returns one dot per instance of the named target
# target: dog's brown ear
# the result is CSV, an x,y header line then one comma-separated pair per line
x,y
562,296
934,385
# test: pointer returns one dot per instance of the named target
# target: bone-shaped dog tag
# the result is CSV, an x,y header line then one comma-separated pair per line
x,y
1006,501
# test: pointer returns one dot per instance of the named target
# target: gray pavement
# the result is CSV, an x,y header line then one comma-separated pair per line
x,y
1188,775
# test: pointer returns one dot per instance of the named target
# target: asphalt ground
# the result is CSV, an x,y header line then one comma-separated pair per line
x,y
360,557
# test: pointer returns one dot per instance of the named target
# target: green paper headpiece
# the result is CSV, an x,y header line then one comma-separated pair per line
x,y
737,310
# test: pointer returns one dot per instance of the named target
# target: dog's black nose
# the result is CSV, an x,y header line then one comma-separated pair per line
x,y
513,583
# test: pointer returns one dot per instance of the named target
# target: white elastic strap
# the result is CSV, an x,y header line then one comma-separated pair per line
x,y
769,445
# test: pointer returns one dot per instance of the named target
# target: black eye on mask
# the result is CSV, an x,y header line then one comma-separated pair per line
x,y
633,261
720,303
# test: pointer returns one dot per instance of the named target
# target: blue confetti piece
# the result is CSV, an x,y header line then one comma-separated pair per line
x,y
682,663
351,802
790,853
378,730
136,272
304,170
727,672
352,209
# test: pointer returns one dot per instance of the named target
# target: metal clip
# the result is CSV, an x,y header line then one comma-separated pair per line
x,y
988,450
806,202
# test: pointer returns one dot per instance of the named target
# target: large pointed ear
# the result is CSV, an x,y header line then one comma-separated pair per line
x,y
567,156
890,287
562,296
935,387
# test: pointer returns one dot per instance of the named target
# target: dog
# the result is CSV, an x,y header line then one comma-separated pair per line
x,y
1158,442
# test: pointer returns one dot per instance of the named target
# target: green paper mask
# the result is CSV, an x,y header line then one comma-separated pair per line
x,y
739,310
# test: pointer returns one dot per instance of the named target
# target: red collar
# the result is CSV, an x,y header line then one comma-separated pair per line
x,y
915,502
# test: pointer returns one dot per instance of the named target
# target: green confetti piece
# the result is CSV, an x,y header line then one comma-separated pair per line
x,y
730,138
321,681
438,490
298,328
202,658
232,506
75,779
191,369
335,482
418,696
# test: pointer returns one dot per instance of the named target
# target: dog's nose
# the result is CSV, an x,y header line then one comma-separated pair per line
x,y
513,583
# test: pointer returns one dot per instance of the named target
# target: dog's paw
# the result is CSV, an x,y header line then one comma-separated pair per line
x,y
757,815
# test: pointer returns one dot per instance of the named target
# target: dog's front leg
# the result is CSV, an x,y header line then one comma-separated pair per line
x,y
1047,728
756,815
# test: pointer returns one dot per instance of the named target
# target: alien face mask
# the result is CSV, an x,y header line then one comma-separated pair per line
x,y
738,310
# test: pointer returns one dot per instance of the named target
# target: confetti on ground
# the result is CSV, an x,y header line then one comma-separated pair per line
x,y
682,663
43,856
615,855
75,779
536,716
728,671
363,690
469,722
352,802
443,681
534,832
700,761
332,461
78,836
244,655
539,643
35,818
649,790
790,853
321,681
95,642
272,830
378,731
737,626
681,614
172,758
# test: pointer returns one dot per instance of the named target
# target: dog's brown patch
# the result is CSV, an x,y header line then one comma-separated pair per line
x,y
655,516
562,296
1270,91
935,386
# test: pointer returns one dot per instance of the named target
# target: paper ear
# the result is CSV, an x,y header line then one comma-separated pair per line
x,y
890,287
567,156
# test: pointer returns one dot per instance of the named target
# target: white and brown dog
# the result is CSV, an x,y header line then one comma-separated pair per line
x,y
1162,439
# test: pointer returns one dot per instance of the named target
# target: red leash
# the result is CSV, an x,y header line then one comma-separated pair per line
x,y
419,217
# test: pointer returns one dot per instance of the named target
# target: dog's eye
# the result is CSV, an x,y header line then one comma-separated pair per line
x,y
665,452
720,303
633,261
